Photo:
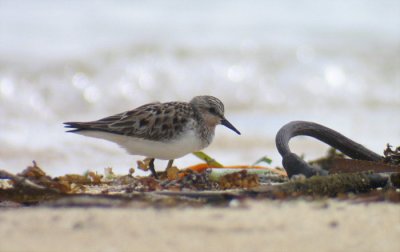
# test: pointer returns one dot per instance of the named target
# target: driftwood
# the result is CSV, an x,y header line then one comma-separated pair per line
x,y
294,165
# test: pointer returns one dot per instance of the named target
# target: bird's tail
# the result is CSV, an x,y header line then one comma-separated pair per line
x,y
76,126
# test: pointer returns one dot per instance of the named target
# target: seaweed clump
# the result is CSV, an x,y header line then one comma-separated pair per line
x,y
241,179
192,187
392,156
333,185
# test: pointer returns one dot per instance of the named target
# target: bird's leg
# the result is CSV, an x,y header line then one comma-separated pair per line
x,y
170,163
151,167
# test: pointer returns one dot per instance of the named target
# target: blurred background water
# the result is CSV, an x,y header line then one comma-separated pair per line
x,y
270,62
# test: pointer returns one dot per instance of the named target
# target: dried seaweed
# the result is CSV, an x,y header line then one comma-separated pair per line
x,y
26,191
392,156
239,179
332,185
184,187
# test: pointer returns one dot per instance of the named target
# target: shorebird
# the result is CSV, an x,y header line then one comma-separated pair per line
x,y
160,130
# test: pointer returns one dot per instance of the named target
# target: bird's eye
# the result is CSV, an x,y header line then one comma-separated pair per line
x,y
212,111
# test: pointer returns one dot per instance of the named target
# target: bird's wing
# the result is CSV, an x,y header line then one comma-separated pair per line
x,y
153,121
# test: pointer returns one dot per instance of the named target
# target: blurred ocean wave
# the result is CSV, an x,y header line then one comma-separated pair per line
x,y
334,62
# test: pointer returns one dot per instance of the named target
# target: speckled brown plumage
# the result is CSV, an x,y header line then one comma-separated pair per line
x,y
158,121
153,121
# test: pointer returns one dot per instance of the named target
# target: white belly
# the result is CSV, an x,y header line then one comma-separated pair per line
x,y
185,144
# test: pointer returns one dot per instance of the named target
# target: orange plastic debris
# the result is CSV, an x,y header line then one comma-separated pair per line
x,y
203,166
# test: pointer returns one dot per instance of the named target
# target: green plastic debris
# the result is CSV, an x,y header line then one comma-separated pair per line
x,y
206,158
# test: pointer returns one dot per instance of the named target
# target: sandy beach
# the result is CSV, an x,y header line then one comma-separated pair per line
x,y
244,226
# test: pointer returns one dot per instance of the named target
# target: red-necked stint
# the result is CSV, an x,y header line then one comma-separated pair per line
x,y
160,130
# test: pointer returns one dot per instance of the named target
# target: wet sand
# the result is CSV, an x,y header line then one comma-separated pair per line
x,y
249,226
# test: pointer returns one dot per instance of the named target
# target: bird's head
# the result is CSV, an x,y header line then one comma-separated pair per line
x,y
212,111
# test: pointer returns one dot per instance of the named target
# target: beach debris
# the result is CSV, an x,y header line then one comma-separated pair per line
x,y
335,184
34,175
195,185
395,179
240,179
264,159
328,160
353,165
172,173
295,165
211,162
144,164
392,156
31,186
109,173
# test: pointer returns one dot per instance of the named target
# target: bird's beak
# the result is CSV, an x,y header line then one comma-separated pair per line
x,y
227,124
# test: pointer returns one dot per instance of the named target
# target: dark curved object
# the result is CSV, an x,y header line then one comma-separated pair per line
x,y
293,164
